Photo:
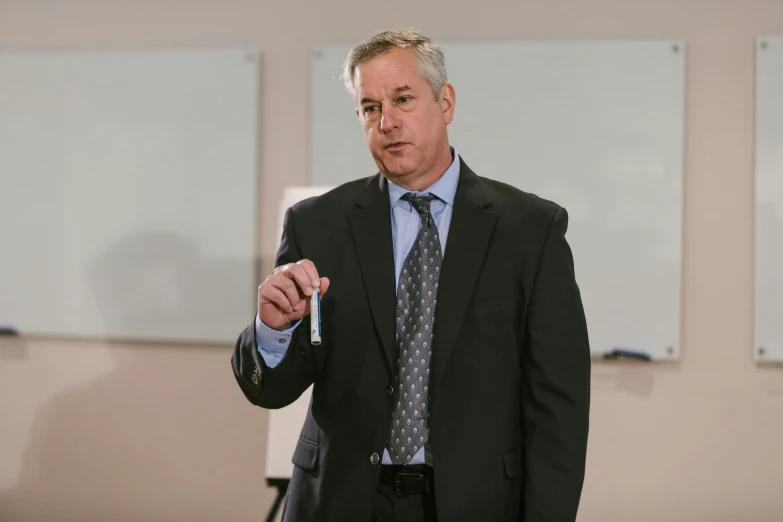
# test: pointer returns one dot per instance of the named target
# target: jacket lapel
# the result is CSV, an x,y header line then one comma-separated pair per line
x,y
469,233
370,224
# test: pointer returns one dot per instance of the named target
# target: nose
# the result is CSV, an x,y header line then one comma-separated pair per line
x,y
389,120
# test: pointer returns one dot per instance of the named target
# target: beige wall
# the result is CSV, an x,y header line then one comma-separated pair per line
x,y
97,431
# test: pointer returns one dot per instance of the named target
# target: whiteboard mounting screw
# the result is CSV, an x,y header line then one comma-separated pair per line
x,y
670,350
676,48
761,351
764,44
318,54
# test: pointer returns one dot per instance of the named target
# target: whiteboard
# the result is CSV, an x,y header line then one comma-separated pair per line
x,y
596,127
768,346
128,184
286,423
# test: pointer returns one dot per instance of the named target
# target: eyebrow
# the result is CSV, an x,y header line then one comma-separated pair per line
x,y
401,88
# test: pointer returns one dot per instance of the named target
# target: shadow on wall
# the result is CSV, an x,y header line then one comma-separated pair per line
x,y
168,435
159,285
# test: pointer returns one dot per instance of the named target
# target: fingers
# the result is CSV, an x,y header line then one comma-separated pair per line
x,y
280,291
324,285
303,273
288,286
311,272
276,297
291,284
284,296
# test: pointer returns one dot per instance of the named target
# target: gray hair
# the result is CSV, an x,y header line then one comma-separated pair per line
x,y
432,62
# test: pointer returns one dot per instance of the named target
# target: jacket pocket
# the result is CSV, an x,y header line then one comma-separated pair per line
x,y
306,455
513,462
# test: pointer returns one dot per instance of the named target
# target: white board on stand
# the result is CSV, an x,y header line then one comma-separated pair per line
x,y
597,127
286,423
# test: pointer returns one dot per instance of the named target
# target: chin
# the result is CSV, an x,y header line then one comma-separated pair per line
x,y
397,174
399,168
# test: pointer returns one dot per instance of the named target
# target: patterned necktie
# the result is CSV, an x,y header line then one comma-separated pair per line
x,y
417,294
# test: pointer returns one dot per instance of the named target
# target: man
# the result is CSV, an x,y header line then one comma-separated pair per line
x,y
478,416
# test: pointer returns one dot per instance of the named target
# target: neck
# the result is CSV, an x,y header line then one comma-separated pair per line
x,y
422,183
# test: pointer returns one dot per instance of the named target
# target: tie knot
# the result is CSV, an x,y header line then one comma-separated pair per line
x,y
420,203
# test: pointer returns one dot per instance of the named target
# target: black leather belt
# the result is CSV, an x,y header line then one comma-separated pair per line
x,y
413,480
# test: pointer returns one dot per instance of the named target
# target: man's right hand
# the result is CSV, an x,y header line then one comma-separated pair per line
x,y
284,297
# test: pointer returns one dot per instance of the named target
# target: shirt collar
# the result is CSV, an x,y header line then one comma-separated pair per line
x,y
444,189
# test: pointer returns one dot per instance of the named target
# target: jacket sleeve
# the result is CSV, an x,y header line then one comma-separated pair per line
x,y
279,386
556,394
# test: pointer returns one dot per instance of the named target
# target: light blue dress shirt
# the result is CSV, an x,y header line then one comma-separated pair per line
x,y
405,221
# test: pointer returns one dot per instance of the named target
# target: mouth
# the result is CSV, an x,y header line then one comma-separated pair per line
x,y
395,146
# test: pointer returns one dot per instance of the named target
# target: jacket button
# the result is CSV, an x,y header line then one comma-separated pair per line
x,y
374,459
390,390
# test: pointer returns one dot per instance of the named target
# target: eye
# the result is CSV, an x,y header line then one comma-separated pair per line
x,y
404,99
369,108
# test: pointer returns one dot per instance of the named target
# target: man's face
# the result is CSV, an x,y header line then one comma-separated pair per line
x,y
404,125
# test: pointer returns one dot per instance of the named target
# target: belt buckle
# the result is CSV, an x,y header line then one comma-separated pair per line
x,y
405,474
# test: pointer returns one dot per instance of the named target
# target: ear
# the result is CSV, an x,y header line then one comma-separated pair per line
x,y
447,100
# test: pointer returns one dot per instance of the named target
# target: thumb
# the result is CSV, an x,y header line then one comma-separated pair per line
x,y
324,285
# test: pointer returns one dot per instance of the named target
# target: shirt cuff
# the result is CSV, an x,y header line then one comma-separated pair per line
x,y
273,345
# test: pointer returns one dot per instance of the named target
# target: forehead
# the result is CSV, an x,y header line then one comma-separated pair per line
x,y
387,71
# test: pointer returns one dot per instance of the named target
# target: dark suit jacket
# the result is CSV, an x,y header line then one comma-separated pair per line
x,y
510,364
